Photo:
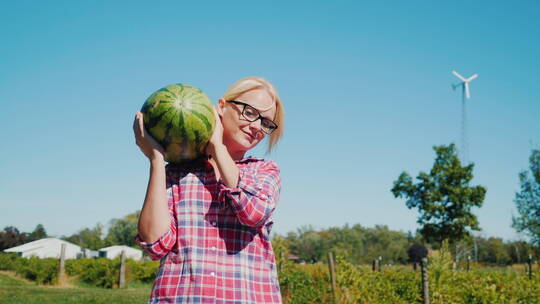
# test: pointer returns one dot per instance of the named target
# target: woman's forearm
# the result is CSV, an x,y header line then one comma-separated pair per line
x,y
154,220
228,169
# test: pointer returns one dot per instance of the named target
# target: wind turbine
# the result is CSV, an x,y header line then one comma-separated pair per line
x,y
466,95
465,83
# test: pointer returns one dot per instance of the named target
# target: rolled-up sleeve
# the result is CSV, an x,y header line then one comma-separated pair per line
x,y
255,197
161,246
167,241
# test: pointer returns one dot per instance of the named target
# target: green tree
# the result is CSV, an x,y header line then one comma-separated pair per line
x,y
88,237
443,197
123,231
528,200
307,244
38,233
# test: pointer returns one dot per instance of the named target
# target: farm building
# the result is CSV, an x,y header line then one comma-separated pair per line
x,y
48,248
115,251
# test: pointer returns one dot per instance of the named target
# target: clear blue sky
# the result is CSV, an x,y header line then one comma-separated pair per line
x,y
366,88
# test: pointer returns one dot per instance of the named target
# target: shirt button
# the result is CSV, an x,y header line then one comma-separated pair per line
x,y
212,273
213,223
213,248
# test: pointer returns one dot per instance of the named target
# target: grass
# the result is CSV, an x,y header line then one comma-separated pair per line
x,y
19,291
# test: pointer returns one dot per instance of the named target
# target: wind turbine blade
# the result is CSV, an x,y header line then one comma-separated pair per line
x,y
467,93
473,77
458,76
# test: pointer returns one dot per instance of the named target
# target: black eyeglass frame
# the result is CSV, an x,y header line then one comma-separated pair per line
x,y
260,117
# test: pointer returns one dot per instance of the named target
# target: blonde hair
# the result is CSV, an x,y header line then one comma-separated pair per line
x,y
251,83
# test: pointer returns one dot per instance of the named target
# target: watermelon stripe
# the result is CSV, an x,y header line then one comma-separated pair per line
x,y
207,123
205,107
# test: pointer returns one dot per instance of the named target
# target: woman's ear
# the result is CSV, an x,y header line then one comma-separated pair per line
x,y
220,106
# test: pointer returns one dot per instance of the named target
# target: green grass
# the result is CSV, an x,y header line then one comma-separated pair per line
x,y
18,291
9,279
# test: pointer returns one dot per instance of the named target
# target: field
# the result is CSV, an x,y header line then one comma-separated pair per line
x,y
14,290
310,284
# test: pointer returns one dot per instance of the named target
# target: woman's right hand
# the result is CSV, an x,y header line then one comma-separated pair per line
x,y
148,145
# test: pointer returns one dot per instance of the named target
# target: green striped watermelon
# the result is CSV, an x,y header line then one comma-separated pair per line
x,y
180,117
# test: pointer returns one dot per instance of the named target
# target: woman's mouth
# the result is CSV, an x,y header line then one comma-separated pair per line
x,y
251,137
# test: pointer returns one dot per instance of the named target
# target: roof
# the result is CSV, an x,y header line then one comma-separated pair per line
x,y
37,244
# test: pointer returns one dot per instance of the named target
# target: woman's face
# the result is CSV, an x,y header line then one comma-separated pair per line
x,y
239,134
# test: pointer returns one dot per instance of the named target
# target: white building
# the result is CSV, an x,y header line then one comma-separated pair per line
x,y
115,251
47,248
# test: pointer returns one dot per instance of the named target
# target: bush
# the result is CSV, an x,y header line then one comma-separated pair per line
x,y
143,271
97,272
42,271
9,261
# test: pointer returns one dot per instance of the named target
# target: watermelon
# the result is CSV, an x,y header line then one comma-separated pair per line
x,y
180,117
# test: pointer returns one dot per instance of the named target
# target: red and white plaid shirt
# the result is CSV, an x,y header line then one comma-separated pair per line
x,y
218,249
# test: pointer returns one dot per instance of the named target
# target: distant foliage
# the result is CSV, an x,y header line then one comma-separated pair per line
x,y
90,238
416,253
361,245
11,236
356,244
528,200
123,231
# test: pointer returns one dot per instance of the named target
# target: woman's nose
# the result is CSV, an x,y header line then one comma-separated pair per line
x,y
256,125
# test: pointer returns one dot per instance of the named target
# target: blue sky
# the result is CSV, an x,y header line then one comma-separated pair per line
x,y
366,88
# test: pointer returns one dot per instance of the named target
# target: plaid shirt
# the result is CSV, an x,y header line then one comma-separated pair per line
x,y
217,249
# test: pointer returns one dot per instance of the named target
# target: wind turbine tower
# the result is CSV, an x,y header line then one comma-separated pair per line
x,y
465,95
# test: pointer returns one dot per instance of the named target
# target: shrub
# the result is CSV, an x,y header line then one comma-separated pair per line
x,y
42,271
9,261
143,271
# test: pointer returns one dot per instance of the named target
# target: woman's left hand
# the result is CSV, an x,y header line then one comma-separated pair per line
x,y
217,137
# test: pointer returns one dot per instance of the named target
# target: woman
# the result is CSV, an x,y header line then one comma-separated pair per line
x,y
209,221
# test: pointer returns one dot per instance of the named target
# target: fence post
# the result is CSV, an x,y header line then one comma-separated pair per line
x,y
61,268
122,280
425,283
375,266
332,268
529,261
468,263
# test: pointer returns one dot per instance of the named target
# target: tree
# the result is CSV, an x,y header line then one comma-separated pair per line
x,y
528,200
123,231
38,233
443,197
416,253
11,237
90,238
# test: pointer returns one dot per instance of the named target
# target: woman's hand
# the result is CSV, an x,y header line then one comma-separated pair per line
x,y
148,145
216,141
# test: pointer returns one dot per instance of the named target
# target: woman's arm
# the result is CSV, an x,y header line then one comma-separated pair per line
x,y
154,220
255,197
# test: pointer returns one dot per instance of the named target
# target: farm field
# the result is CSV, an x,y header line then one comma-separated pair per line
x,y
14,290
310,284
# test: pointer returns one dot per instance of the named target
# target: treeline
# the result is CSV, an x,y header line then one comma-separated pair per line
x,y
11,236
121,231
361,245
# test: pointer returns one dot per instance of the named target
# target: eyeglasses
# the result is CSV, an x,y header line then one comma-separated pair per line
x,y
251,114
